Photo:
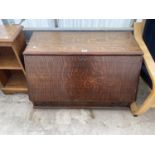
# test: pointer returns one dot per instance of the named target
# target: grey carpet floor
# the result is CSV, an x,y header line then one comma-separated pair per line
x,y
17,116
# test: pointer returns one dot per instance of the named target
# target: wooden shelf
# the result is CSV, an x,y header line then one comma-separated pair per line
x,y
16,83
9,62
12,72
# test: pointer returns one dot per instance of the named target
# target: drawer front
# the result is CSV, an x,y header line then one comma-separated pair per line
x,y
83,80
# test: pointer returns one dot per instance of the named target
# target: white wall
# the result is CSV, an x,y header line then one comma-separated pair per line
x,y
76,23
94,23
1,22
46,23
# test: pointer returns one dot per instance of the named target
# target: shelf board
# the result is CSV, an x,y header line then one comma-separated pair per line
x,y
16,83
9,62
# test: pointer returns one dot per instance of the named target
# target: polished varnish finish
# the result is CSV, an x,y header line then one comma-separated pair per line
x,y
82,69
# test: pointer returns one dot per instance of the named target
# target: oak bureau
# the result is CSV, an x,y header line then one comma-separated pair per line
x,y
82,69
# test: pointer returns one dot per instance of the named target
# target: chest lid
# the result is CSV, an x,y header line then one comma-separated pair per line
x,y
82,43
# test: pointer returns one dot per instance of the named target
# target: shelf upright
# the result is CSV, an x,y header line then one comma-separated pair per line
x,y
12,72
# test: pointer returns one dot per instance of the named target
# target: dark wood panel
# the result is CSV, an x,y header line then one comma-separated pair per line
x,y
3,78
83,80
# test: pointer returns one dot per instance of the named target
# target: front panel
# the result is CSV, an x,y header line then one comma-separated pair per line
x,y
83,80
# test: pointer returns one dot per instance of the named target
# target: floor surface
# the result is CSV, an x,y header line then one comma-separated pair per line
x,y
17,116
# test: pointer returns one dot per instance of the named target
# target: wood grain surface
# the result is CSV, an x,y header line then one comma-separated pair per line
x,y
12,72
86,43
86,81
9,32
82,69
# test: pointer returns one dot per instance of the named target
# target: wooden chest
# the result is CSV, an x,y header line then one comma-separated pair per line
x,y
82,69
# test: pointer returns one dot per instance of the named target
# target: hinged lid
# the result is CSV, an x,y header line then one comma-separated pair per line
x,y
79,43
9,32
